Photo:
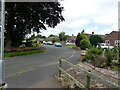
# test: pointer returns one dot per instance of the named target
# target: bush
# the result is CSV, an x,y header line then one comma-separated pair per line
x,y
36,45
28,44
85,44
12,54
53,40
79,38
109,56
92,54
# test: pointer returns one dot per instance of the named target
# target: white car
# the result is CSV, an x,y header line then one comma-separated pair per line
x,y
70,43
104,46
49,43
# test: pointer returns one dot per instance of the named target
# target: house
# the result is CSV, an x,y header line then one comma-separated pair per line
x,y
71,39
50,38
113,38
88,35
38,39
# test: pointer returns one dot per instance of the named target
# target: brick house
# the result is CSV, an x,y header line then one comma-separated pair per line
x,y
102,36
113,38
71,39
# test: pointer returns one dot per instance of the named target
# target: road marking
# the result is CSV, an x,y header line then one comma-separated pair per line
x,y
33,68
71,56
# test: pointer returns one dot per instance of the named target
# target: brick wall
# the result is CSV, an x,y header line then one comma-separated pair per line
x,y
114,35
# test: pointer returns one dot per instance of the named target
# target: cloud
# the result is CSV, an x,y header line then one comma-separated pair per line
x,y
84,14
78,23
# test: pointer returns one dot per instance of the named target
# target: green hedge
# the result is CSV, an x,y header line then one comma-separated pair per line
x,y
12,54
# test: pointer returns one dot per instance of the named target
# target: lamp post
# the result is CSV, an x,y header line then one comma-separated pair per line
x,y
2,62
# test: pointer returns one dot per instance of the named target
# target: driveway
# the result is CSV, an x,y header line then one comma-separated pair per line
x,y
37,70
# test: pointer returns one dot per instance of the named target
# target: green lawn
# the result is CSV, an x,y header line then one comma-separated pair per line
x,y
69,45
20,53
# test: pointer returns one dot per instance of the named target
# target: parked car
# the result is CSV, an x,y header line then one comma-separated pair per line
x,y
49,43
44,42
70,43
58,45
104,46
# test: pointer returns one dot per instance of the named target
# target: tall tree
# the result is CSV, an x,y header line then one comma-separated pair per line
x,y
62,36
22,18
80,37
95,39
82,41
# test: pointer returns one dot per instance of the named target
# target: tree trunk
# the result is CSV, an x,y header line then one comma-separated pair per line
x,y
10,28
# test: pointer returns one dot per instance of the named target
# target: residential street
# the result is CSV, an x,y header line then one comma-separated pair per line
x,y
37,70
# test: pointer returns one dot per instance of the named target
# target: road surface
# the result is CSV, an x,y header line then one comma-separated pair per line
x,y
37,70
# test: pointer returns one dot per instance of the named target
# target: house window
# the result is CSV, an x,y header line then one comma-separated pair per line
x,y
107,42
117,42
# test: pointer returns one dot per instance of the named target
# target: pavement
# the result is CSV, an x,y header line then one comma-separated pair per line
x,y
37,70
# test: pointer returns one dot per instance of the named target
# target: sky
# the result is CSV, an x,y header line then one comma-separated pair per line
x,y
98,16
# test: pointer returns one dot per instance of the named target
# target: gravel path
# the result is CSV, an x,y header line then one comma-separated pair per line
x,y
110,75
106,74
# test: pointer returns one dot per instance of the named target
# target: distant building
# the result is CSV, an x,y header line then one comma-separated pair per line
x,y
113,38
38,39
102,36
50,38
71,39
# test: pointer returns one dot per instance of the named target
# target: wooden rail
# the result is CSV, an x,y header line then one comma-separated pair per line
x,y
88,74
3,87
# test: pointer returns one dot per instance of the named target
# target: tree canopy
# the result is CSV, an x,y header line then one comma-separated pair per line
x,y
62,36
22,18
79,37
95,39
82,41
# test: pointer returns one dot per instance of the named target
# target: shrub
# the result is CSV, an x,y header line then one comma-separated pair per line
x,y
109,56
79,38
12,54
28,44
92,54
85,44
53,40
36,45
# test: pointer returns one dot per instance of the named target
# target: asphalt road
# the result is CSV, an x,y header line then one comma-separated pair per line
x,y
37,70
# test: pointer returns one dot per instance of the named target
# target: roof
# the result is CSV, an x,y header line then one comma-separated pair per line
x,y
71,38
114,34
102,36
50,38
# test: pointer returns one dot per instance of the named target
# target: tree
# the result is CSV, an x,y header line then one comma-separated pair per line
x,y
82,41
53,40
85,43
95,39
62,36
83,31
79,38
22,18
43,37
51,35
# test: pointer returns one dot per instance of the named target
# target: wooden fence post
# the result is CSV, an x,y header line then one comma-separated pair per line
x,y
60,65
88,82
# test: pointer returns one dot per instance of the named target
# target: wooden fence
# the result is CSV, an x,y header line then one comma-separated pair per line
x,y
87,73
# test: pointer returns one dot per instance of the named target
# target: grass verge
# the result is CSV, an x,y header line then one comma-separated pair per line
x,y
21,53
69,45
